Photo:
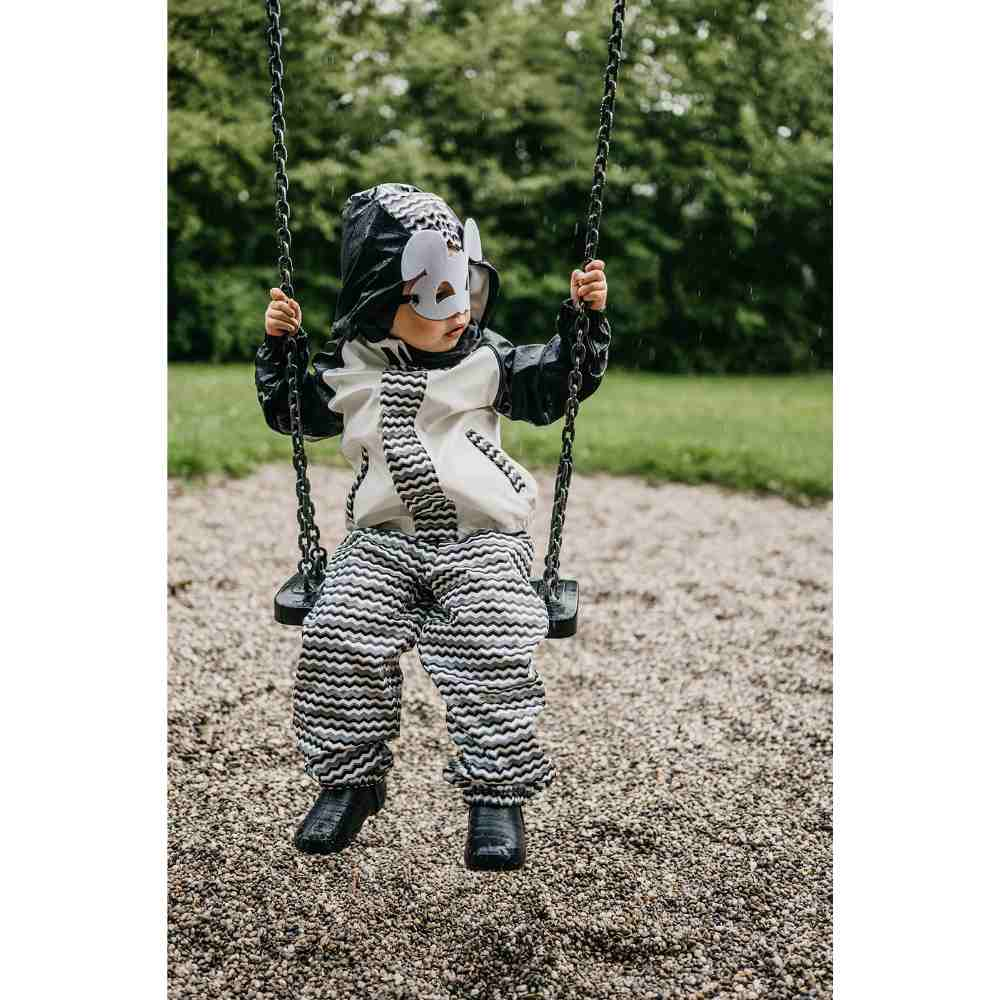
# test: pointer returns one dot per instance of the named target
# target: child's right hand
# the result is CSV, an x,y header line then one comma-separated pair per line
x,y
283,315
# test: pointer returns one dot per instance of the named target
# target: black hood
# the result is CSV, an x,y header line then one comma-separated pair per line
x,y
378,223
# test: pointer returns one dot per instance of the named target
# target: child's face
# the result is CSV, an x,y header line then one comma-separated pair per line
x,y
428,334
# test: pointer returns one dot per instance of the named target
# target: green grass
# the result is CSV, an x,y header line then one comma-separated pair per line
x,y
761,433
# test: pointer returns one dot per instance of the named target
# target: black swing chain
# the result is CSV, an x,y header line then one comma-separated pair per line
x,y
550,577
312,565
313,562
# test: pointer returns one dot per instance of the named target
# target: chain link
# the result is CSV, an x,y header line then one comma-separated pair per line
x,y
550,578
312,565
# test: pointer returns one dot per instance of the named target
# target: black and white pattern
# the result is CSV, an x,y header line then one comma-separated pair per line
x,y
469,608
358,480
497,457
417,210
435,517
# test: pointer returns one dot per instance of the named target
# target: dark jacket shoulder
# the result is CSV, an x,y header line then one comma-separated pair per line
x,y
534,378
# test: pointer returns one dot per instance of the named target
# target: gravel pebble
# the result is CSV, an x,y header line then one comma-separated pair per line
x,y
684,849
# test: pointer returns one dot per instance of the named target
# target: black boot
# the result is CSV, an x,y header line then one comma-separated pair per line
x,y
496,838
337,816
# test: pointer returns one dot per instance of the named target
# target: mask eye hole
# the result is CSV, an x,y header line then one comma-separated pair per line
x,y
444,291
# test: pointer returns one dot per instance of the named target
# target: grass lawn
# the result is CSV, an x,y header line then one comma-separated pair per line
x,y
767,433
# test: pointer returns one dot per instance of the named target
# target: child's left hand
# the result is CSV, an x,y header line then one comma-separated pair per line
x,y
590,285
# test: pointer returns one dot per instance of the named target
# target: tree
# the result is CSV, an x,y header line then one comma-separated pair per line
x,y
717,224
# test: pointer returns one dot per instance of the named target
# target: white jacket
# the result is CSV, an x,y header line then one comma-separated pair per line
x,y
458,427
439,443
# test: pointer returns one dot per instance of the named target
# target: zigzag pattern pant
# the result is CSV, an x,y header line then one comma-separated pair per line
x,y
469,607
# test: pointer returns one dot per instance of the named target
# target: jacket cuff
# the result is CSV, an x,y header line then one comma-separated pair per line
x,y
567,315
598,333
277,347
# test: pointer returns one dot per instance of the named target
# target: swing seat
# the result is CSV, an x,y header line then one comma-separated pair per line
x,y
563,606
295,600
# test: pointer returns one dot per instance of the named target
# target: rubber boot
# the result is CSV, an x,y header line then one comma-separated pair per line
x,y
336,817
496,838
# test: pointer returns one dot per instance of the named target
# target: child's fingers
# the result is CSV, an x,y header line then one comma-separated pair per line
x,y
593,287
593,274
274,317
279,315
279,295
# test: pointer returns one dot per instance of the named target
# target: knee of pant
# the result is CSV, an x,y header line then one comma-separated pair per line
x,y
330,621
505,656
487,696
521,631
364,634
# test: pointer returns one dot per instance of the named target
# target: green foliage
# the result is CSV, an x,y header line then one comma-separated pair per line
x,y
717,217
768,433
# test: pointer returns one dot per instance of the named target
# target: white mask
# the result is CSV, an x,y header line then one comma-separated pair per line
x,y
426,258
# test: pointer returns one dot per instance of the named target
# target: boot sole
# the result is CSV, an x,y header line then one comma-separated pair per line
x,y
492,866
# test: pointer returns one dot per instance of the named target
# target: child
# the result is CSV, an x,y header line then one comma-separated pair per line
x,y
437,552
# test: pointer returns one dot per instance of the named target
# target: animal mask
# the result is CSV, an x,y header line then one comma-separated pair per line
x,y
442,288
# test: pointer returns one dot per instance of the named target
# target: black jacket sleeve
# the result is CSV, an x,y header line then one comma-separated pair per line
x,y
534,378
271,376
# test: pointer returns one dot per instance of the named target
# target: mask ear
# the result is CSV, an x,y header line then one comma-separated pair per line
x,y
473,244
425,250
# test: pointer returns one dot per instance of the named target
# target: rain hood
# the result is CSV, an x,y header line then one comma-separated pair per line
x,y
378,223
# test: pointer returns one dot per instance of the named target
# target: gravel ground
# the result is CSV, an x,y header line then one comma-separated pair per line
x,y
684,849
